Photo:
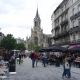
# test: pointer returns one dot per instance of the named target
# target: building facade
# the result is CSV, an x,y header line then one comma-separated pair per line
x,y
19,40
1,36
66,23
37,35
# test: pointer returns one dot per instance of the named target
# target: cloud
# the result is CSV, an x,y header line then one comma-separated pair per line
x,y
17,16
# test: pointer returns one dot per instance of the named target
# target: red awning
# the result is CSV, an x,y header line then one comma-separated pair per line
x,y
73,46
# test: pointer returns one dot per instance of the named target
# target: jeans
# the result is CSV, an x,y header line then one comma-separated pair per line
x,y
33,62
44,59
19,60
63,71
67,72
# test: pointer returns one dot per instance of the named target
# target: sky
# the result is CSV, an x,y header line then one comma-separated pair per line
x,y
16,16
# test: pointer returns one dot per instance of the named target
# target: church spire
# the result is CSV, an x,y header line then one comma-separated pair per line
x,y
37,15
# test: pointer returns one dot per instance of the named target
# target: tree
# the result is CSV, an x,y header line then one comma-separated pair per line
x,y
31,46
20,46
37,48
8,42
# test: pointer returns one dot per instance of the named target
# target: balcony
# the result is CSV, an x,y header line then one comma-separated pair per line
x,y
62,43
52,29
57,27
64,22
78,41
64,33
75,16
73,42
74,29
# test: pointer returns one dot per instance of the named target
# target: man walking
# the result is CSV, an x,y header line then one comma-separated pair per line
x,y
33,56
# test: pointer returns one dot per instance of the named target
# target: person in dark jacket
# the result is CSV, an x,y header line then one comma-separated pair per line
x,y
19,58
33,56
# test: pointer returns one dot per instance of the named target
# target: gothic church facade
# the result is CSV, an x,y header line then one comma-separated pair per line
x,y
37,35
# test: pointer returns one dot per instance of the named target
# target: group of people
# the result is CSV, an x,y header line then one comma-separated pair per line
x,y
20,57
35,56
66,60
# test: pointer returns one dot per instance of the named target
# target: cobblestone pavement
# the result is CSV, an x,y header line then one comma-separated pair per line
x,y
50,72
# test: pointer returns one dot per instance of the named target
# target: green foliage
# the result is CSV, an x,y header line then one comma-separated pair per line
x,y
20,46
8,42
31,46
37,48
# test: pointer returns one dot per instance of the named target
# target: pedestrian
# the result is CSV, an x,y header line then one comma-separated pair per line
x,y
63,67
37,58
19,58
22,54
33,56
44,58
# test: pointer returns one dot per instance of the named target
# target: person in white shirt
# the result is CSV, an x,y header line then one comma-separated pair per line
x,y
44,58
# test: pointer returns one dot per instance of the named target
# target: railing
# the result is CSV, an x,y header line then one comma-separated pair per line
x,y
74,29
57,27
64,22
75,16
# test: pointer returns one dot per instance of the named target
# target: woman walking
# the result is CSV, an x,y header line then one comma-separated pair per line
x,y
19,58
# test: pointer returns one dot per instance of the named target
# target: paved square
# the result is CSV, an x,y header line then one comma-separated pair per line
x,y
50,72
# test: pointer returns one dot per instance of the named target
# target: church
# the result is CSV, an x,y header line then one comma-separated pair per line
x,y
37,35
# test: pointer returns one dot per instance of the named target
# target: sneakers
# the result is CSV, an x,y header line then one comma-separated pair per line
x,y
62,77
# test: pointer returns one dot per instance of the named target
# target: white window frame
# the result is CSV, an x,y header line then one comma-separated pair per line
x,y
62,18
79,7
73,1
66,16
65,6
74,24
79,21
66,27
73,11
62,9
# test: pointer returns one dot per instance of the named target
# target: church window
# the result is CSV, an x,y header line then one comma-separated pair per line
x,y
36,41
36,24
35,32
42,45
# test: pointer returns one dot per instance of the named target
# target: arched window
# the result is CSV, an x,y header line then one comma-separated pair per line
x,y
35,32
42,45
36,24
36,41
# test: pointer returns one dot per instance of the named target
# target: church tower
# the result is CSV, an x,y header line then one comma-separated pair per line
x,y
36,31
37,20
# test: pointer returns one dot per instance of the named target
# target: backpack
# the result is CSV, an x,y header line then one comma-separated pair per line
x,y
31,55
66,65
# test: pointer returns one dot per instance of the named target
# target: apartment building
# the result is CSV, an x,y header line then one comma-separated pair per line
x,y
66,23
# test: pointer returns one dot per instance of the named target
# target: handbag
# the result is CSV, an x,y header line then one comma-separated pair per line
x,y
21,61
